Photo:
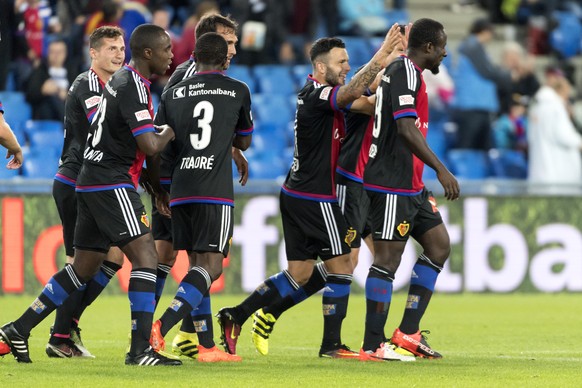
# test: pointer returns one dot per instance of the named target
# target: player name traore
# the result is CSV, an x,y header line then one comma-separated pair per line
x,y
197,162
198,90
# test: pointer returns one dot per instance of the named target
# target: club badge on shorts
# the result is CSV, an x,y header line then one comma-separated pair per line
x,y
403,228
350,236
145,220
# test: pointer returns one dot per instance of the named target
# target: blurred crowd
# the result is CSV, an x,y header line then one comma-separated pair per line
x,y
479,102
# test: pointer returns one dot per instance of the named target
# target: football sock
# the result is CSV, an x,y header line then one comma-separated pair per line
x,y
95,286
378,297
202,318
315,283
54,293
335,306
270,291
141,293
422,282
163,271
64,315
190,293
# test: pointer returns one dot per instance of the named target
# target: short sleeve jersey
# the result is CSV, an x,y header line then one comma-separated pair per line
x,y
319,131
392,167
81,104
206,111
112,158
356,146
182,72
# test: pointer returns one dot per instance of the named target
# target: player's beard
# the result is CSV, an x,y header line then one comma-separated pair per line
x,y
332,79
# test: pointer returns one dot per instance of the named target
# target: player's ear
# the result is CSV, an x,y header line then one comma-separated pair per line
x,y
147,53
320,67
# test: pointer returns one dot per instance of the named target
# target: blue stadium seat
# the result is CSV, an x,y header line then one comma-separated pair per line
x,y
8,174
47,139
567,37
468,163
40,165
274,79
16,110
32,126
508,163
243,73
274,109
300,73
359,50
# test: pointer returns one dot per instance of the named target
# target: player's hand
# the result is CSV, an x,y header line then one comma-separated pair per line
x,y
161,128
242,165
450,184
146,183
392,39
163,204
16,161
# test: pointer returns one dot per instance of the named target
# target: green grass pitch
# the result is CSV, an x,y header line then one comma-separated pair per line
x,y
509,340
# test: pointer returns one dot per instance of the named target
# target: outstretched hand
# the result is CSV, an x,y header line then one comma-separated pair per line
x,y
450,185
16,161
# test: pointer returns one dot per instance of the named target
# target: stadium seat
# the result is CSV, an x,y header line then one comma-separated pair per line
x,y
274,109
300,73
243,73
40,165
359,50
8,174
16,110
46,139
274,79
32,126
567,37
468,163
508,163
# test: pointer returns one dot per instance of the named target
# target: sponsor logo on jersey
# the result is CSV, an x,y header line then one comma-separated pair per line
x,y
386,79
217,91
329,309
350,236
403,228
433,203
111,91
145,220
176,304
179,92
406,99
412,302
92,101
324,95
134,324
200,326
37,306
49,288
143,115
420,124
261,289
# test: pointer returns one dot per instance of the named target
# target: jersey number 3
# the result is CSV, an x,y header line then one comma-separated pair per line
x,y
204,112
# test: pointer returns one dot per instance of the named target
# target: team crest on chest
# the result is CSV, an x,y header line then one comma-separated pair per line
x,y
403,228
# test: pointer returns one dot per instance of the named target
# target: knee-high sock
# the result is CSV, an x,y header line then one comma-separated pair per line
x,y
162,273
378,297
422,282
55,292
202,319
315,283
335,306
95,286
270,291
142,287
190,292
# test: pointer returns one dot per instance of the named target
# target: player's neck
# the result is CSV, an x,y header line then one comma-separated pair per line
x,y
141,68
102,74
200,68
416,59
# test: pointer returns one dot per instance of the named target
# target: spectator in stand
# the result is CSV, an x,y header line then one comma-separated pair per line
x,y
510,129
524,82
478,80
33,28
301,29
554,143
363,17
7,30
47,86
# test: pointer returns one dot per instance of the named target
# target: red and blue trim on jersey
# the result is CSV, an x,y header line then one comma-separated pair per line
x,y
405,113
211,72
92,188
165,181
309,196
245,132
65,179
1,107
349,175
197,199
389,190
146,81
143,129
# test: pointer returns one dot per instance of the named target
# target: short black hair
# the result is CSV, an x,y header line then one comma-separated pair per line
x,y
424,31
209,22
144,36
97,36
211,49
323,46
479,25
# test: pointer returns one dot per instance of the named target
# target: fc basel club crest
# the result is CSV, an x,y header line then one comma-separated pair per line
x,y
433,203
403,228
145,220
350,236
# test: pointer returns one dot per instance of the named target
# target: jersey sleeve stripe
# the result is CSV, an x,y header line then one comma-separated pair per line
x,y
333,98
410,75
94,83
65,179
143,129
190,71
91,114
405,113
245,132
141,90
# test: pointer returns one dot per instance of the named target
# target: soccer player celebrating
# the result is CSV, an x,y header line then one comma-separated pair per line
x,y
110,210
202,213
198,327
8,141
107,50
313,224
400,205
